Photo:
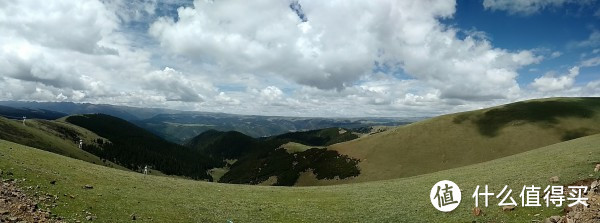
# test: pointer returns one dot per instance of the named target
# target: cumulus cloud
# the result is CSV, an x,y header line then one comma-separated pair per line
x,y
339,42
34,21
175,86
550,82
76,51
269,57
267,37
58,48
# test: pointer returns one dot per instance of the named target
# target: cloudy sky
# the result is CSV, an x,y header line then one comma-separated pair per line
x,y
300,58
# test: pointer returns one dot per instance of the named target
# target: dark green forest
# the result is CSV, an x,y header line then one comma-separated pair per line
x,y
134,147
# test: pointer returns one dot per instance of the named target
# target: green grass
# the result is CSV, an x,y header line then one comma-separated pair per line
x,y
293,147
118,194
544,112
54,136
456,140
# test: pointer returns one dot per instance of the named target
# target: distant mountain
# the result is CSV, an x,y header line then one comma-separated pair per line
x,y
18,113
180,126
183,126
70,108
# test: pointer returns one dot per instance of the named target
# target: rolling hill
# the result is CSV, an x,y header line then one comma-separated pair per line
x,y
118,196
109,141
461,139
53,136
134,148
248,160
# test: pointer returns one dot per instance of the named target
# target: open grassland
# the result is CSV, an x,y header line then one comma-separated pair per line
x,y
116,194
294,147
461,139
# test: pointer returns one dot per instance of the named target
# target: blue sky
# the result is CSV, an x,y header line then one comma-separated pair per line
x,y
300,57
553,29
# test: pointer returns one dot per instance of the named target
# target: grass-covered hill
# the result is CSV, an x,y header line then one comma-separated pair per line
x,y
134,148
320,137
461,139
53,136
118,195
248,160
223,145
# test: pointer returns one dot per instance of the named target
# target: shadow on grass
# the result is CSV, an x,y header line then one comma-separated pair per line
x,y
541,112
576,133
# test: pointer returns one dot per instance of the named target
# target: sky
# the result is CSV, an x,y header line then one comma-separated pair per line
x,y
308,58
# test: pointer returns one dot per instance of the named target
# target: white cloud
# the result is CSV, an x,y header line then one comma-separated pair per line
x,y
524,7
338,45
47,24
76,51
175,86
592,41
63,47
555,54
271,93
261,58
591,62
223,98
549,82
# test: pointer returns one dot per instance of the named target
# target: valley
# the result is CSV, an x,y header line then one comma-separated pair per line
x,y
375,173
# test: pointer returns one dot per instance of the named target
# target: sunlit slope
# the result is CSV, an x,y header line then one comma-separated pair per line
x,y
116,194
461,139
54,136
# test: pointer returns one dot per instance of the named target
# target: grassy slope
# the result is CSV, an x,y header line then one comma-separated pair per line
x,y
44,134
453,140
117,194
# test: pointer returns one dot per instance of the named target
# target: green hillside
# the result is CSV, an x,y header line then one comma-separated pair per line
x,y
223,145
319,137
117,195
53,136
247,160
466,138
